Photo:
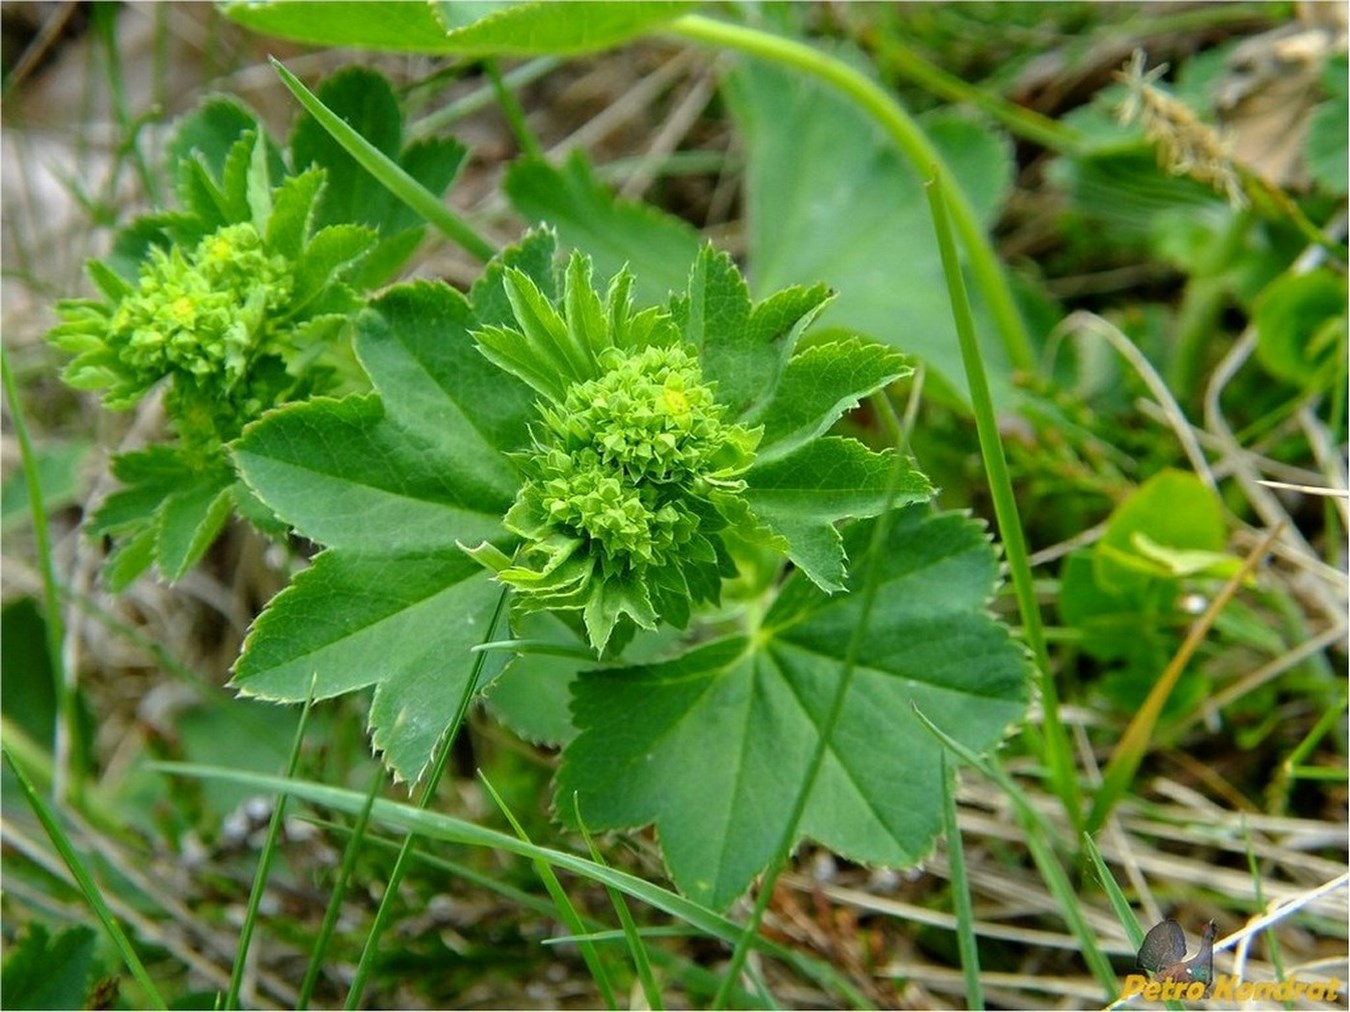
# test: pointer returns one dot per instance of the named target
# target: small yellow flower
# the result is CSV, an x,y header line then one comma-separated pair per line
x,y
674,401
183,310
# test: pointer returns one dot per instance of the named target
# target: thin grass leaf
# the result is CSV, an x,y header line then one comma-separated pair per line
x,y
691,976
1037,837
387,172
434,825
630,929
539,648
620,935
1119,772
367,962
1119,904
80,873
966,943
515,115
562,901
1056,747
67,781
1123,911
265,861
1272,942
330,915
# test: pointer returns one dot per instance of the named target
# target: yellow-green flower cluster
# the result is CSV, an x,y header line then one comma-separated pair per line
x,y
203,314
625,492
213,320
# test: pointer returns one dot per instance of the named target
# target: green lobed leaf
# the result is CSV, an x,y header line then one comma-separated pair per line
x,y
711,746
132,244
388,172
414,342
292,213
133,555
189,519
202,197
531,694
801,495
412,640
533,256
395,26
365,100
209,131
432,161
828,198
819,385
657,247
45,972
258,184
331,253
743,348
394,493
170,507
149,476
559,26
342,474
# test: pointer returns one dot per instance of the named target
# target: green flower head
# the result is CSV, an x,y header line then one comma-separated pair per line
x,y
224,318
634,468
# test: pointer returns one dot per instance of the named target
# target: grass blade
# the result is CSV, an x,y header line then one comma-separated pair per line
x,y
437,826
692,976
1057,750
1119,904
965,914
630,929
265,859
358,987
66,779
1037,837
389,174
562,901
1123,911
330,916
93,897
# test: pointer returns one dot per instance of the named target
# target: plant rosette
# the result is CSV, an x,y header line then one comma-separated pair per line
x,y
620,477
235,303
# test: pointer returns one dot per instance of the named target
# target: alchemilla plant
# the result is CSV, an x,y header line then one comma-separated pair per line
x,y
226,325
237,301
546,472
630,526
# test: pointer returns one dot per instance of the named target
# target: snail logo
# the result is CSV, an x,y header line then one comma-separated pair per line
x,y
1173,977
1163,955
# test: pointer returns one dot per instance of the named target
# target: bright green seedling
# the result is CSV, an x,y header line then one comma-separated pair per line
x,y
237,302
1125,596
657,490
